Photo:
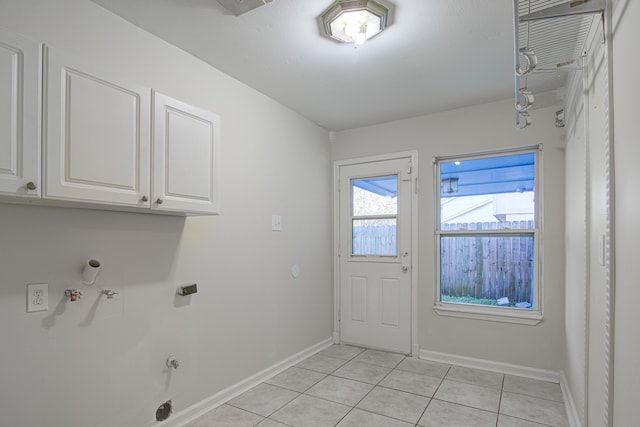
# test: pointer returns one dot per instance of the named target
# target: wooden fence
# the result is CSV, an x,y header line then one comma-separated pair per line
x,y
488,267
374,240
475,267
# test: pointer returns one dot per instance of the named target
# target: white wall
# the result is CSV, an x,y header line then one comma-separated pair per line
x,y
468,130
626,62
83,364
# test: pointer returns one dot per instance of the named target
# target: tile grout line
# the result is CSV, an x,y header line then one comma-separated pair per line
x,y
344,362
242,409
358,402
458,380
295,391
250,412
370,384
500,401
276,421
520,394
367,394
425,410
388,388
462,404
467,406
345,416
280,407
433,396
404,391
477,385
379,384
336,376
535,397
333,401
529,421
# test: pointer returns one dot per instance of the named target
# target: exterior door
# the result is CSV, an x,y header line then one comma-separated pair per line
x,y
374,254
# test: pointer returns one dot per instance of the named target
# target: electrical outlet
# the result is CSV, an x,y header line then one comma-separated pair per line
x,y
37,297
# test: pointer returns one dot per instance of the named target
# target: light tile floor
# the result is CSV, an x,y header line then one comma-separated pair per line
x,y
348,386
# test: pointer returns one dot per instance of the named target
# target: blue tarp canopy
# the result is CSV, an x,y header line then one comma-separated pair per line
x,y
386,186
492,175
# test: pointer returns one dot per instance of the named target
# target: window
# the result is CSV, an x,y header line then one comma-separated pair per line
x,y
487,236
374,216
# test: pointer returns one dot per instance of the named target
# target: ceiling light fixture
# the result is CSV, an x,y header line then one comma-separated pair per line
x,y
355,21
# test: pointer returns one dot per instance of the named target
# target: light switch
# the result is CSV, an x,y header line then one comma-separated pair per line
x,y
276,223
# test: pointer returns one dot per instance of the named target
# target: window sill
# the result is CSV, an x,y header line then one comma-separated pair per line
x,y
503,315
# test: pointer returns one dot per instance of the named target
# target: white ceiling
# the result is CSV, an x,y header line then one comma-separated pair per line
x,y
436,55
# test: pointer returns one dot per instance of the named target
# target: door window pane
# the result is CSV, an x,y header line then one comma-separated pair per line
x,y
375,196
374,237
374,205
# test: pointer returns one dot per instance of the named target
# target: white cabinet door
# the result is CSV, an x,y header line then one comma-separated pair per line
x,y
19,131
186,147
97,145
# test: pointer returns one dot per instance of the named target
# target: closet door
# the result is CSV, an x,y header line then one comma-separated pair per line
x,y
186,146
19,130
97,140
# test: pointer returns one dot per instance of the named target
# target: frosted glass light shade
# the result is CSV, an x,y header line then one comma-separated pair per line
x,y
354,21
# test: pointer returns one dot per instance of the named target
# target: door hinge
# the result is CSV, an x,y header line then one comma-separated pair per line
x,y
339,315
416,184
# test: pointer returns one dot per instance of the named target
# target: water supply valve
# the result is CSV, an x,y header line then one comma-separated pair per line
x,y
73,294
109,293
172,362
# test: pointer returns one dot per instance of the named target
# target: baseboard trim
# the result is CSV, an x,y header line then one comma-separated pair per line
x,y
570,404
488,365
205,405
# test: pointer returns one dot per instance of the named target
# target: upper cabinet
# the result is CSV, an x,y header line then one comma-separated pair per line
x,y
186,157
89,130
19,119
97,142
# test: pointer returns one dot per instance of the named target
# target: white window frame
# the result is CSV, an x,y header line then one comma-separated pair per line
x,y
531,316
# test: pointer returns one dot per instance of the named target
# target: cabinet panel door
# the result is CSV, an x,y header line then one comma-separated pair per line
x,y
97,142
186,146
19,128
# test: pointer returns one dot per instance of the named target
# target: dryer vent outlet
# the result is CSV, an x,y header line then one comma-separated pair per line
x,y
164,411
238,7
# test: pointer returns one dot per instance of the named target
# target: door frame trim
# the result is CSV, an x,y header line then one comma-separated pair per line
x,y
413,155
